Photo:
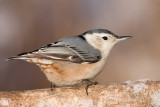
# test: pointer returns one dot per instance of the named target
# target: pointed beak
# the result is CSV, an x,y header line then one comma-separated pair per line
x,y
120,38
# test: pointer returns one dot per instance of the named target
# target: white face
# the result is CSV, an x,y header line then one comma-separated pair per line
x,y
103,41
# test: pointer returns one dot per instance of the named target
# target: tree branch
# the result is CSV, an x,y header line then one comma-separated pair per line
x,y
136,94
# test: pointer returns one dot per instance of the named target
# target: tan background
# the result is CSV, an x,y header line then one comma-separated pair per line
x,y
26,25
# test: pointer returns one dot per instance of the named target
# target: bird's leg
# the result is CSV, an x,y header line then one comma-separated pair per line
x,y
89,83
53,86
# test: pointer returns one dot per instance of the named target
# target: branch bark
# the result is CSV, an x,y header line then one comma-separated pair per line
x,y
134,94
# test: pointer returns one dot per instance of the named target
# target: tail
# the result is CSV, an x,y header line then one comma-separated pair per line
x,y
17,57
22,56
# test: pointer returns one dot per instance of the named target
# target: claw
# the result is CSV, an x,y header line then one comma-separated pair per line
x,y
89,83
53,86
86,88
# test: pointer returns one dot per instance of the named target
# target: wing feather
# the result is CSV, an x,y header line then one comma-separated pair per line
x,y
72,49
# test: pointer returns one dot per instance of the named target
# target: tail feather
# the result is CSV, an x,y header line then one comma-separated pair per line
x,y
26,56
23,56
11,58
17,57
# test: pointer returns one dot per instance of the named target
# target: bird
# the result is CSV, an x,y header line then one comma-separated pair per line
x,y
73,60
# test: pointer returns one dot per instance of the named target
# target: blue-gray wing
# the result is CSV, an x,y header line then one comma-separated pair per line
x,y
74,49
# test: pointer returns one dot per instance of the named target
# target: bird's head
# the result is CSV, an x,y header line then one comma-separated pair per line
x,y
102,39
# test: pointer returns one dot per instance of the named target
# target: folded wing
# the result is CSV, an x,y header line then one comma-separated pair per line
x,y
76,50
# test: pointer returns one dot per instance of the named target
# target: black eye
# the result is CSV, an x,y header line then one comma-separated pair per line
x,y
104,37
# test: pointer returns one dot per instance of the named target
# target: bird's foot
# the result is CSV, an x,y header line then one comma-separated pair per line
x,y
89,83
53,86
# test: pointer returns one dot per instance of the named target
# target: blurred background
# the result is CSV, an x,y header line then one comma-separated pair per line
x,y
26,25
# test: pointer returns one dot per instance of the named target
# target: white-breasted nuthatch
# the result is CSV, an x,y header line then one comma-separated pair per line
x,y
72,60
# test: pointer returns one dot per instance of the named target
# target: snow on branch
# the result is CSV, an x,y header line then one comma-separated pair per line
x,y
136,94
